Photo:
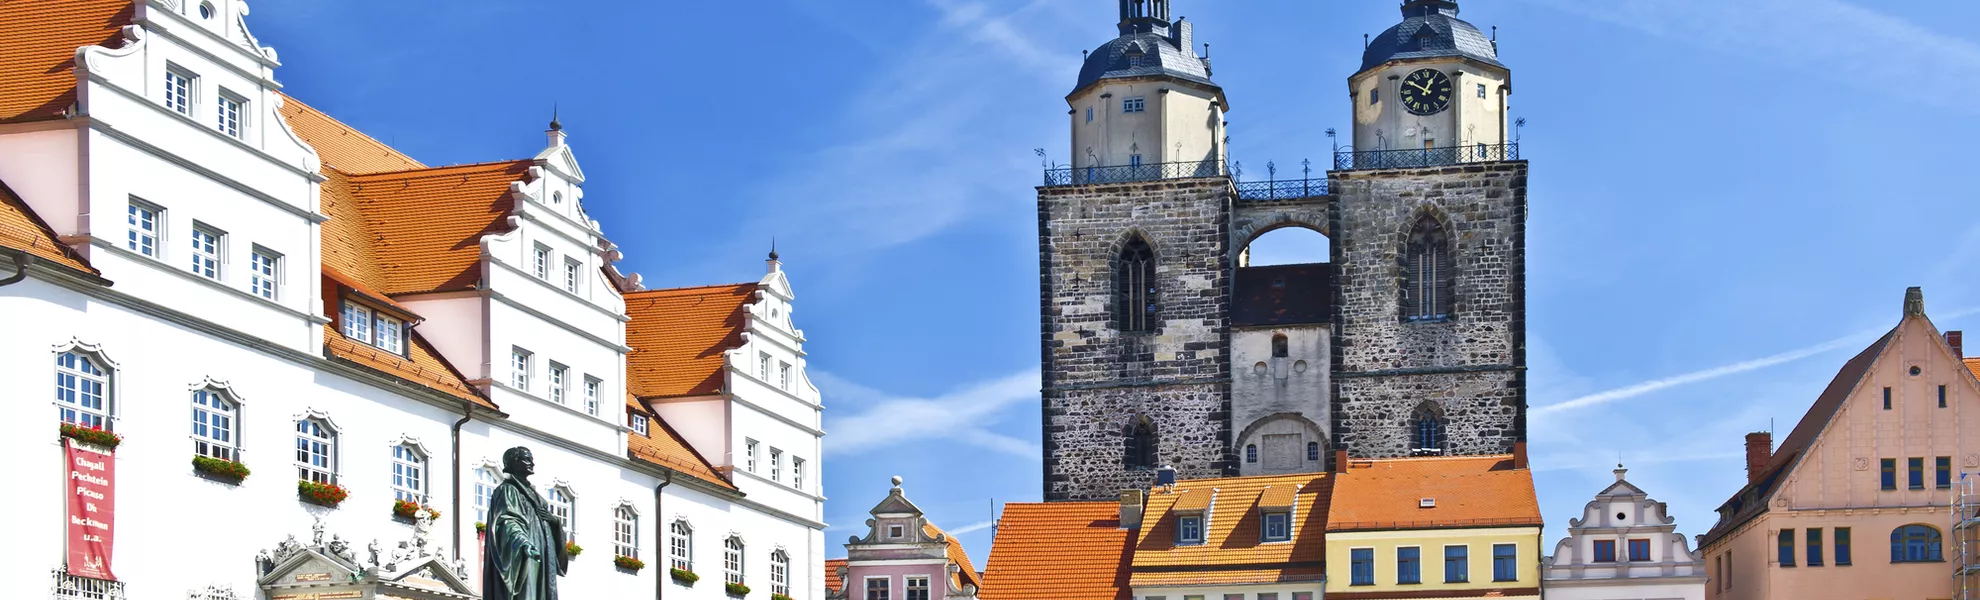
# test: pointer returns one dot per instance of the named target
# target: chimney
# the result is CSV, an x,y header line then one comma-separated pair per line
x,y
1957,340
1184,37
1340,461
1130,509
1519,455
1759,450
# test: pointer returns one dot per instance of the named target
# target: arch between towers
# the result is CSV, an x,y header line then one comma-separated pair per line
x,y
1253,219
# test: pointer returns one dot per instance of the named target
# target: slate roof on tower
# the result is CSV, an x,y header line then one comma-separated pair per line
x,y
678,337
1143,54
1430,29
38,45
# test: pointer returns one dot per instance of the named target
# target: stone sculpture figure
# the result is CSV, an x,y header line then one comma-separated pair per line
x,y
524,550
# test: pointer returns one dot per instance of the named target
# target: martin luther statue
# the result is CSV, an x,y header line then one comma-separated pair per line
x,y
524,549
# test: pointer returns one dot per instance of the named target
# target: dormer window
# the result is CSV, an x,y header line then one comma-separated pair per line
x,y
894,532
1189,530
363,324
1278,526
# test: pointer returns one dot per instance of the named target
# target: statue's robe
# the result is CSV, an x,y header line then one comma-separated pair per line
x,y
519,522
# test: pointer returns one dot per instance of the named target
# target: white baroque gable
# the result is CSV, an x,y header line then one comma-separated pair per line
x,y
1620,514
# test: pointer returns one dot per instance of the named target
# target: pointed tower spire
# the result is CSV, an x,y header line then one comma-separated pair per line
x,y
556,132
775,264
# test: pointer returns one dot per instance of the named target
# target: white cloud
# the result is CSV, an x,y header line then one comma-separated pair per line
x,y
972,527
965,416
1847,43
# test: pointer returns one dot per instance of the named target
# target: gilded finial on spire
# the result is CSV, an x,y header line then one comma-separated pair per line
x,y
555,125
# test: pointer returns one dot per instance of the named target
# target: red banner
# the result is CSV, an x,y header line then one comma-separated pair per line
x,y
92,474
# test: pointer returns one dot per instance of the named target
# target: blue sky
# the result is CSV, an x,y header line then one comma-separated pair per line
x,y
1727,198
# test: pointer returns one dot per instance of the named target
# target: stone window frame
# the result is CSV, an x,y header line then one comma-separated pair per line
x,y
1135,264
1428,231
1439,437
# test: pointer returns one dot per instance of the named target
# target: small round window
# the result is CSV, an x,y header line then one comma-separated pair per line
x,y
205,10
1914,371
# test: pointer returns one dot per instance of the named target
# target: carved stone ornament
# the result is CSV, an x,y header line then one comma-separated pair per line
x,y
1860,463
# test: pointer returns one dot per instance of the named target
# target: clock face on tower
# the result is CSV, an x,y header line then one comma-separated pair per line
x,y
1426,92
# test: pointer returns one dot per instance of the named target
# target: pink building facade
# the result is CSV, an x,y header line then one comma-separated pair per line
x,y
1854,503
902,557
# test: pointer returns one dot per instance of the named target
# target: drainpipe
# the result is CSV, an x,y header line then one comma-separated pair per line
x,y
659,537
467,413
22,260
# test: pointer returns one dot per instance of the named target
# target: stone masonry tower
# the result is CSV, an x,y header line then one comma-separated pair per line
x,y
1161,345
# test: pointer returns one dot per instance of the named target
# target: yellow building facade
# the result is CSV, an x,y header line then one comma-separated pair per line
x,y
1460,527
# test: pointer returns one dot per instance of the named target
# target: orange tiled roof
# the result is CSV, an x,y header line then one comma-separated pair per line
x,y
663,446
1471,491
38,42
1232,535
1059,551
426,224
1973,365
341,146
421,364
966,576
21,229
832,582
678,337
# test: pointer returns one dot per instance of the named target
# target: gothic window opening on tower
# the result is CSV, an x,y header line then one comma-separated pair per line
x,y
1135,279
1427,273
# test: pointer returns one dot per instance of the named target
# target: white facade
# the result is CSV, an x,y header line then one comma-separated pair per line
x,y
1147,121
1476,115
1625,546
183,122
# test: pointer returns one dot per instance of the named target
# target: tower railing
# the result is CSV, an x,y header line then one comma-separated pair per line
x,y
1350,160
70,587
1270,189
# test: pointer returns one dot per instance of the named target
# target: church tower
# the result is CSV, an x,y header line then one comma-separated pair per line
x,y
1134,268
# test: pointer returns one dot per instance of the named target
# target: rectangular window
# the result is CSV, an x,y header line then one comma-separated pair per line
x,y
1942,396
1278,527
1917,472
1089,114
559,375
1639,550
1363,570
206,252
591,396
1814,542
1481,90
1189,529
1942,471
1374,96
1605,551
917,588
1134,160
876,588
1302,596
1268,596
1890,473
388,334
1505,562
776,464
784,376
1134,105
639,424
262,266
1457,564
763,367
542,262
1233,596
1409,567
1842,546
229,117
145,220
1887,398
519,363
357,323
178,90
797,472
749,453
1786,546
571,270
625,533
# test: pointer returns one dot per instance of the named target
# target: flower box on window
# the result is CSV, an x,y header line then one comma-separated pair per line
x,y
572,549
736,589
684,576
327,495
94,436
779,597
480,527
219,468
407,509
629,563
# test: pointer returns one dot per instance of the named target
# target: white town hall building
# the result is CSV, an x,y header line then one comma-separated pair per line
x,y
233,282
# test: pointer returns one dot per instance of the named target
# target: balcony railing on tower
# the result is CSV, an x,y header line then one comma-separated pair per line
x,y
1347,160
1271,189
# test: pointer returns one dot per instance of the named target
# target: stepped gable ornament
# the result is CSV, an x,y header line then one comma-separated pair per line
x,y
524,551
328,567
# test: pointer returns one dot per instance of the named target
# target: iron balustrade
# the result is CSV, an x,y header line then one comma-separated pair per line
x,y
1134,173
71,587
1424,157
1291,189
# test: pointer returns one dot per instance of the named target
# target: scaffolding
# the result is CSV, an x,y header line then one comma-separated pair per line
x,y
1966,537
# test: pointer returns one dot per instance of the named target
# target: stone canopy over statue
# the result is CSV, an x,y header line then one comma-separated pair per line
x,y
524,549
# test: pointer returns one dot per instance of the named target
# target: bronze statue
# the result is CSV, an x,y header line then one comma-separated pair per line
x,y
522,537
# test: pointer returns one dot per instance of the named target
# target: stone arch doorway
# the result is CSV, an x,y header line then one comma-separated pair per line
x,y
1282,443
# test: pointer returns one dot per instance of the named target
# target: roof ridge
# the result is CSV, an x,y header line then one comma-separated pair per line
x,y
305,106
438,170
690,288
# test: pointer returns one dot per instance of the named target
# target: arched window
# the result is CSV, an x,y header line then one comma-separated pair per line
x,y
1135,307
213,425
316,451
1427,272
564,505
680,545
780,573
1426,430
1140,444
82,391
1279,346
408,473
485,482
1915,543
732,560
625,532
1251,453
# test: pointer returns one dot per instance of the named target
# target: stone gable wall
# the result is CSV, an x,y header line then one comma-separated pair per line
x,y
1473,365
